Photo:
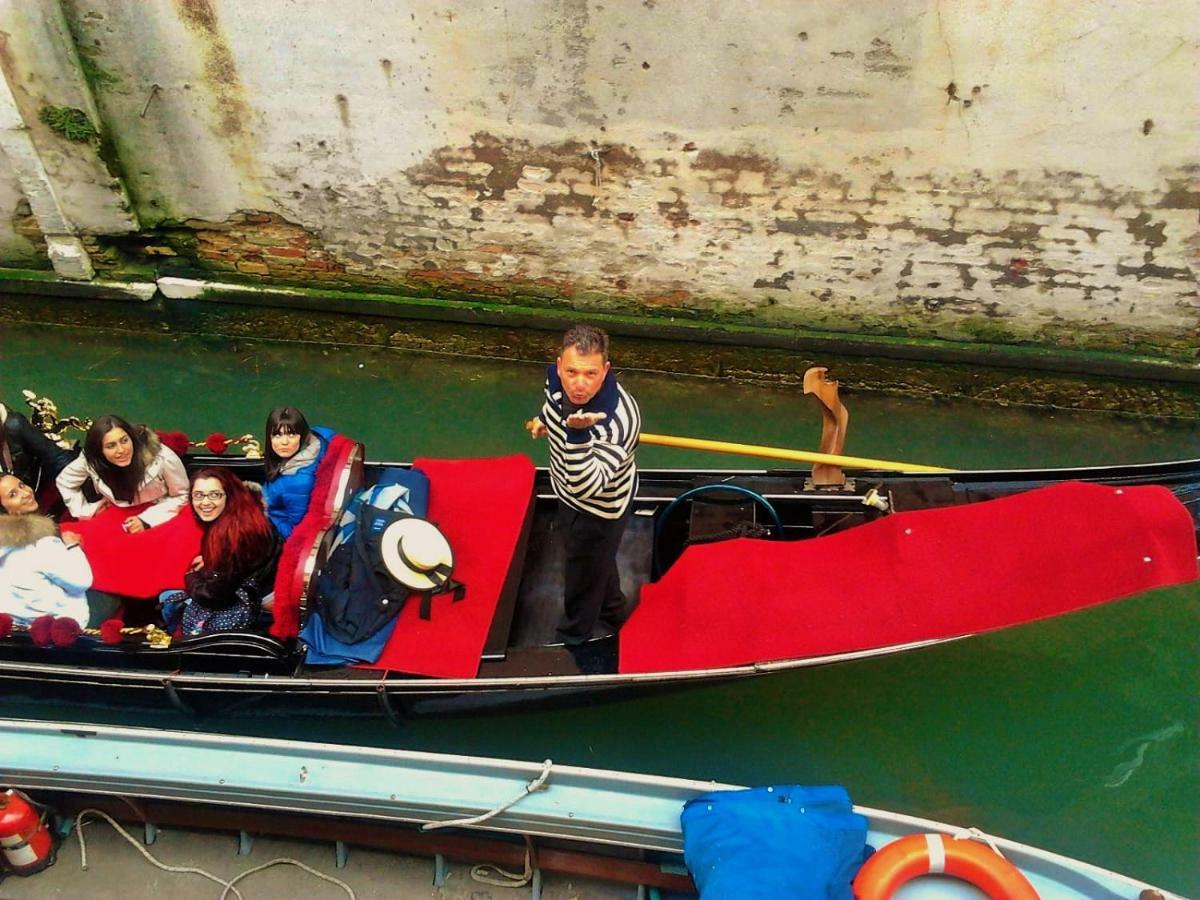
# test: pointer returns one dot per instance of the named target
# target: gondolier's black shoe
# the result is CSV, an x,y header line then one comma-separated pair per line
x,y
596,657
616,621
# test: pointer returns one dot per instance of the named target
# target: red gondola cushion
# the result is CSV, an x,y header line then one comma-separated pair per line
x,y
481,505
914,576
137,565
289,578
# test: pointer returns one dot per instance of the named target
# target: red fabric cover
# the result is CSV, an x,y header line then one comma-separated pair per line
x,y
142,564
289,577
481,506
913,576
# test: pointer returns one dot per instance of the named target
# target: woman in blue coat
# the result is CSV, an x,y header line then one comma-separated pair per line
x,y
293,452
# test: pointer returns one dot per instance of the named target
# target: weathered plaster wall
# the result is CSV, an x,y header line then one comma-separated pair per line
x,y
43,71
21,241
967,169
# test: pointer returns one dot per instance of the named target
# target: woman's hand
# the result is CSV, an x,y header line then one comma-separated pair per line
x,y
197,564
133,525
72,538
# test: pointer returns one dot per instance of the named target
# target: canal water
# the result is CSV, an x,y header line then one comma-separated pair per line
x,y
1078,735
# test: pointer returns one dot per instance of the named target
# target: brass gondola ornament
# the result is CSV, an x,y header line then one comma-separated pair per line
x,y
45,418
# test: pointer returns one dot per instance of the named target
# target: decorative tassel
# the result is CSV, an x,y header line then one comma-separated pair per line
x,y
110,631
64,631
40,630
176,440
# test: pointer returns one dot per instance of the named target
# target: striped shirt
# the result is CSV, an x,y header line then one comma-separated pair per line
x,y
593,469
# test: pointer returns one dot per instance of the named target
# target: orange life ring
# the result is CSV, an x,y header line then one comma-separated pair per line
x,y
923,854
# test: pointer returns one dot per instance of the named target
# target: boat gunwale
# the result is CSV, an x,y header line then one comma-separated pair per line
x,y
401,685
538,821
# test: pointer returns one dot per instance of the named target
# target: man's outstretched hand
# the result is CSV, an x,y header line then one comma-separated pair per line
x,y
537,428
585,420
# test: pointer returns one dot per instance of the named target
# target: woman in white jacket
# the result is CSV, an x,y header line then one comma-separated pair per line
x,y
40,572
127,466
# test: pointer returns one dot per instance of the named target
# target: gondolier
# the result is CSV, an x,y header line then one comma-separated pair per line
x,y
592,424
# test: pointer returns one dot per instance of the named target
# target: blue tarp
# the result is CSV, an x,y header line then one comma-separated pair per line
x,y
787,841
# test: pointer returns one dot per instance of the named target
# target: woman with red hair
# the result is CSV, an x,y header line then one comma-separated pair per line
x,y
238,553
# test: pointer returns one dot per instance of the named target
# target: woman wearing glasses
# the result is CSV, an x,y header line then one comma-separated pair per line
x,y
239,549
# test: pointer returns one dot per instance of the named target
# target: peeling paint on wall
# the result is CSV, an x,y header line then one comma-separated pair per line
x,y
906,168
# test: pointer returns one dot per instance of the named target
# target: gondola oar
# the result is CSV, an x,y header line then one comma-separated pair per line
x,y
850,462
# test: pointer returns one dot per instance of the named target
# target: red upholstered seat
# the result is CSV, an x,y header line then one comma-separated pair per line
x,y
913,576
137,565
481,505
291,579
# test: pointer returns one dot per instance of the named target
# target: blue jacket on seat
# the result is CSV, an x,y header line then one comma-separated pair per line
x,y
288,495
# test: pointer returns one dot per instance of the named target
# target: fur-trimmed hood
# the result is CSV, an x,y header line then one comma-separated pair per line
x,y
24,531
150,444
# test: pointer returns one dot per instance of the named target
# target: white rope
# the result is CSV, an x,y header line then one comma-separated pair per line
x,y
286,861
974,834
538,784
507,879
190,870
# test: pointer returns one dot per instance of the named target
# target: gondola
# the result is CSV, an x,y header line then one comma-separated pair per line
x,y
689,528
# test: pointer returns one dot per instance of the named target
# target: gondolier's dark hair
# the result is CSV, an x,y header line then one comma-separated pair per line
x,y
587,339
122,481
283,420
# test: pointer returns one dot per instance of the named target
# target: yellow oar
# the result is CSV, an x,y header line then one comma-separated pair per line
x,y
849,462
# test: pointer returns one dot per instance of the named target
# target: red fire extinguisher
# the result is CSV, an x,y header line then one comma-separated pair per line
x,y
24,838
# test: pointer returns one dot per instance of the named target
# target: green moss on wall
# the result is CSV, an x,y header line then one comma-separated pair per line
x,y
69,121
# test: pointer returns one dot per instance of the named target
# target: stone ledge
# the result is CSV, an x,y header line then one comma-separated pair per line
x,y
773,343
357,303
21,281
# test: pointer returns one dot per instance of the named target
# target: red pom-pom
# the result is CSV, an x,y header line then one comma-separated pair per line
x,y
176,440
216,442
39,630
6,624
110,631
64,631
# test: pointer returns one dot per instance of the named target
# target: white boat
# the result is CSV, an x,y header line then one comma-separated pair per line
x,y
597,811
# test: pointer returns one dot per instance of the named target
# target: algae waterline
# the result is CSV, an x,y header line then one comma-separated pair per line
x,y
1020,376
1076,734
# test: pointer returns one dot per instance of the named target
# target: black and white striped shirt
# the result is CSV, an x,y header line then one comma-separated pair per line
x,y
593,469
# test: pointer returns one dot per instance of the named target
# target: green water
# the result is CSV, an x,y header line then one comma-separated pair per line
x,y
1078,735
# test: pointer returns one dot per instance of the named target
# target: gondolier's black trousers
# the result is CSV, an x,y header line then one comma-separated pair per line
x,y
592,589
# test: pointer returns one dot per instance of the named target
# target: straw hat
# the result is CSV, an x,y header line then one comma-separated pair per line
x,y
416,554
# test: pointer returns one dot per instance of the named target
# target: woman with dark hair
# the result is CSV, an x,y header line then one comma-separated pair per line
x,y
41,572
127,466
16,497
239,550
27,453
293,452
